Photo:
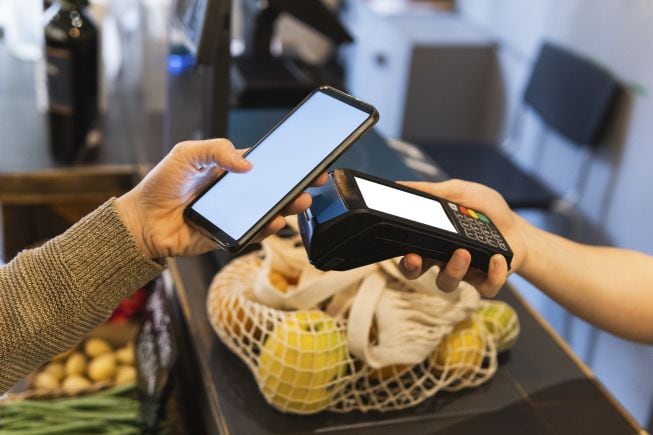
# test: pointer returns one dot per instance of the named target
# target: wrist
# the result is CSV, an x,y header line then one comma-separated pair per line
x,y
127,206
530,238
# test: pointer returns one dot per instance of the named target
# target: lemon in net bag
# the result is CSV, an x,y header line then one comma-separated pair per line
x,y
501,321
299,342
303,362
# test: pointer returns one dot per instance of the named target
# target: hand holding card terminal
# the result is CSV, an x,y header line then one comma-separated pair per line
x,y
357,219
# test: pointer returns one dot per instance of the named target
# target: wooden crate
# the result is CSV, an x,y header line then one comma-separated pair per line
x,y
39,205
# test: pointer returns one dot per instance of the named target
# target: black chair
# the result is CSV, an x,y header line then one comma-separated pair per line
x,y
571,95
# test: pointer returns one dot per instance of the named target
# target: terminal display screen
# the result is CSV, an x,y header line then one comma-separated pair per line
x,y
405,205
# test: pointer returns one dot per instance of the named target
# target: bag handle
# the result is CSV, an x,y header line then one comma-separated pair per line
x,y
361,317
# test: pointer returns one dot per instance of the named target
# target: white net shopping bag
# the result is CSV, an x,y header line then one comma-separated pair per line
x,y
365,339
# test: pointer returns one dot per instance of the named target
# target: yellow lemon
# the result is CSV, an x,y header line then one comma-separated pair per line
x,y
279,281
301,362
501,321
235,321
462,350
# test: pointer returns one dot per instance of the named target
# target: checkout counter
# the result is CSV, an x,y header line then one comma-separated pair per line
x,y
540,387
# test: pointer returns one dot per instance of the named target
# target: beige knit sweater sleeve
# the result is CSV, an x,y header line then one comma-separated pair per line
x,y
53,296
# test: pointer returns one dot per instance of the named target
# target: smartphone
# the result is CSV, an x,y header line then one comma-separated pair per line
x,y
236,207
357,219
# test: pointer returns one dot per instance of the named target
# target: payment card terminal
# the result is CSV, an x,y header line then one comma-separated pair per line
x,y
356,219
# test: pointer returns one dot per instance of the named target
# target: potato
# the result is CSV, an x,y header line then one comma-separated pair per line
x,y
46,381
63,356
125,354
75,364
55,369
462,350
74,384
96,347
102,367
125,375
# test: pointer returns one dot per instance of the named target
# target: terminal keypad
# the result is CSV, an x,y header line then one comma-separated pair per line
x,y
477,226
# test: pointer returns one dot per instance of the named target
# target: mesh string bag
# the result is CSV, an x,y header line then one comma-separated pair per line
x,y
366,339
304,362
501,321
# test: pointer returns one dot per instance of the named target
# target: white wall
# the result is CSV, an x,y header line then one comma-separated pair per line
x,y
619,35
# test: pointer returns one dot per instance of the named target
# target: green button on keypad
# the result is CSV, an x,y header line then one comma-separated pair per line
x,y
482,217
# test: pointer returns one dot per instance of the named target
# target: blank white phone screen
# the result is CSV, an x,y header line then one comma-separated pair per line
x,y
279,163
404,204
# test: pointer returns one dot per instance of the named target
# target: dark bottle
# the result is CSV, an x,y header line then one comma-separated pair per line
x,y
71,51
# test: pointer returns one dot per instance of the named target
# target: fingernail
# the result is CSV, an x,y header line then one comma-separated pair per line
x,y
409,267
458,261
242,160
496,264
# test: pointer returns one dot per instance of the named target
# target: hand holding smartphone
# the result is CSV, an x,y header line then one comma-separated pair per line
x,y
236,207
